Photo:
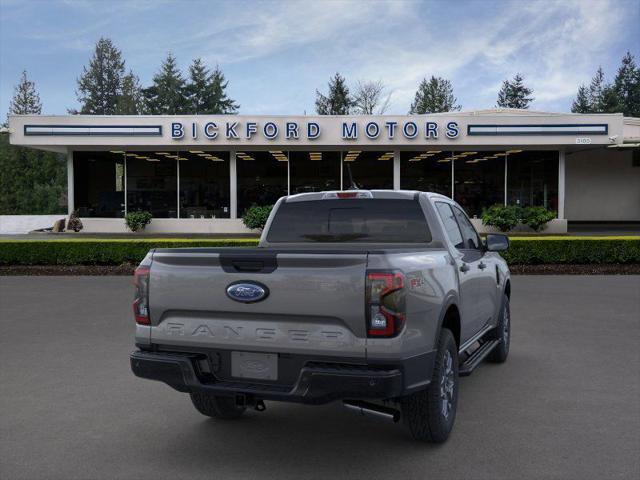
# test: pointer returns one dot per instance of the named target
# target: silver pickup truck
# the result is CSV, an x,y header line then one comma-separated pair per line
x,y
380,299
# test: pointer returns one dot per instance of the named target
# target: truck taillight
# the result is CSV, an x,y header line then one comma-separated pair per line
x,y
141,298
385,303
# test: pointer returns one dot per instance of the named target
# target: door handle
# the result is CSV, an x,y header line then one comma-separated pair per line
x,y
482,266
464,267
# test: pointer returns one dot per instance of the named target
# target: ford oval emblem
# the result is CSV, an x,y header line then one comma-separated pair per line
x,y
247,292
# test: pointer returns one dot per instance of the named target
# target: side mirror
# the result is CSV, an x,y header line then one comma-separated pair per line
x,y
496,242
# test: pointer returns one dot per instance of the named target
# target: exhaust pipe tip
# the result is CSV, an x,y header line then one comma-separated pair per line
x,y
372,410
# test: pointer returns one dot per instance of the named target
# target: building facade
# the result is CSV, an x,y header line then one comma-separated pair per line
x,y
200,173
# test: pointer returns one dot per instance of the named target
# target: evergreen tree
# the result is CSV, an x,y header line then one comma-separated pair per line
x,y
25,99
130,101
196,89
31,181
596,91
627,86
206,91
338,101
219,102
514,94
100,85
167,95
433,96
581,104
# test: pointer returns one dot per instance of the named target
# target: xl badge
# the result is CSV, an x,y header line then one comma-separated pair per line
x,y
247,292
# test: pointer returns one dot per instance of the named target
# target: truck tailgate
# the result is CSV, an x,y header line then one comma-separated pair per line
x,y
315,303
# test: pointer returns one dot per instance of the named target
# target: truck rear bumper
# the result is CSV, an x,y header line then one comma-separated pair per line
x,y
317,382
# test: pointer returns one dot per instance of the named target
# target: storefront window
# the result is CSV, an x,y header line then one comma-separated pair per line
x,y
427,171
367,170
314,171
99,184
204,184
152,183
532,179
262,178
479,180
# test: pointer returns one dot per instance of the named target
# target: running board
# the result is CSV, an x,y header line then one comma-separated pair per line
x,y
476,357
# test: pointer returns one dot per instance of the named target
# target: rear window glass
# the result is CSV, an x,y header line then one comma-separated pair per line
x,y
350,220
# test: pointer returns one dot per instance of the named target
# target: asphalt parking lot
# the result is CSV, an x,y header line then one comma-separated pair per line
x,y
565,405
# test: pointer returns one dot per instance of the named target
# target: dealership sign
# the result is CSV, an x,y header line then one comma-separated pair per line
x,y
292,130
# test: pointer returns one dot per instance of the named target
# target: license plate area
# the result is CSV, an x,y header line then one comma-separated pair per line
x,y
256,366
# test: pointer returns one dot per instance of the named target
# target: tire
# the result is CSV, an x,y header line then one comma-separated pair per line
x,y
502,332
216,406
425,413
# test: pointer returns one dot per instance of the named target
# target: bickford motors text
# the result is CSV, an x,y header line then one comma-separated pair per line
x,y
349,130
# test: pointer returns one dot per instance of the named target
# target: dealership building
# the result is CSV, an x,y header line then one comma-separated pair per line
x,y
200,173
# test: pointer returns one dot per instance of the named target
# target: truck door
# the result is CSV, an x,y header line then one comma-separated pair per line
x,y
471,270
481,273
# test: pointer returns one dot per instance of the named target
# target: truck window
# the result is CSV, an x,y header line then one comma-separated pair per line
x,y
469,234
350,220
450,224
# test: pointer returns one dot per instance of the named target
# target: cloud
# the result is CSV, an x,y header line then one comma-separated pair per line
x,y
277,53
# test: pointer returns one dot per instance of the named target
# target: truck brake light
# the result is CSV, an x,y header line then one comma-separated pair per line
x,y
385,303
141,298
347,194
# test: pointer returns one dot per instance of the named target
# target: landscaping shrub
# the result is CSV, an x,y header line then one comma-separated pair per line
x,y
536,217
523,250
506,218
137,220
501,217
256,216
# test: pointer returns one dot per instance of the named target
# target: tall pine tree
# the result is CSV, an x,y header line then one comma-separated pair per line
x,y
433,96
582,103
25,99
206,92
597,89
338,100
31,181
167,94
130,101
100,85
627,86
196,88
219,102
514,94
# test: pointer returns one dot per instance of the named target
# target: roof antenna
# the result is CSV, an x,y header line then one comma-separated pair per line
x,y
352,185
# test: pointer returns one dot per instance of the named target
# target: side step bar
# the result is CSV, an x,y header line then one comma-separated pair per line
x,y
467,367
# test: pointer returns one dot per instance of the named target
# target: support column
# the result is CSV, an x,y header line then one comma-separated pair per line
x,y
396,169
561,177
70,183
233,185
453,177
506,170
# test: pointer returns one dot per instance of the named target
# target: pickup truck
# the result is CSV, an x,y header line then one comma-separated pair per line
x,y
380,299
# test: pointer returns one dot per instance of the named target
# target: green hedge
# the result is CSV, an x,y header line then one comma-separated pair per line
x,y
97,252
523,250
573,250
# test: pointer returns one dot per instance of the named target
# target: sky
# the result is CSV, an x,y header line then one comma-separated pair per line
x,y
275,54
